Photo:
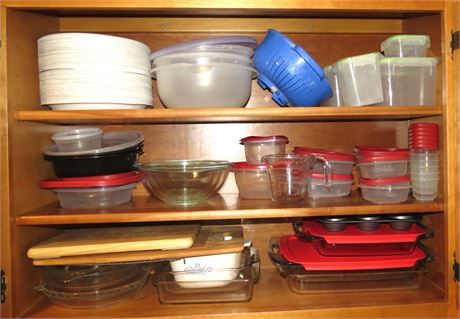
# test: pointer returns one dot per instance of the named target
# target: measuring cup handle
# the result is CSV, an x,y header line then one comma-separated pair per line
x,y
327,170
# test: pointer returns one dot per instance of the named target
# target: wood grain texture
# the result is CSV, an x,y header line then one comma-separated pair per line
x,y
224,115
84,241
209,241
220,207
231,25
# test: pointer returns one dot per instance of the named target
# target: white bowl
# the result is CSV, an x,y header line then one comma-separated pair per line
x,y
206,271
212,85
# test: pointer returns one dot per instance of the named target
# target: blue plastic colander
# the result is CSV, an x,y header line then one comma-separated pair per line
x,y
289,72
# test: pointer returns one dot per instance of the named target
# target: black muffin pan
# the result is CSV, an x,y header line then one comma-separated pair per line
x,y
96,164
369,222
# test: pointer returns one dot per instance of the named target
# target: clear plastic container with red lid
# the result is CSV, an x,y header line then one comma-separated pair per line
x,y
340,185
385,190
341,163
252,180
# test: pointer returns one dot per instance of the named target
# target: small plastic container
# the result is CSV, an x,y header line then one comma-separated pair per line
x,y
336,98
256,147
81,139
209,285
252,180
405,45
359,79
94,192
341,163
376,167
364,151
340,186
385,191
408,81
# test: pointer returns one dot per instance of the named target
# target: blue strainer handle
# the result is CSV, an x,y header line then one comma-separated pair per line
x,y
277,95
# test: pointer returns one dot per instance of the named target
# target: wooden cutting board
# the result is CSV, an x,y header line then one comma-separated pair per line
x,y
210,240
77,242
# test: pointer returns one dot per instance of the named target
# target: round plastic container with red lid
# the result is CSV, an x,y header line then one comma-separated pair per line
x,y
385,190
252,180
365,151
340,185
94,191
341,163
256,147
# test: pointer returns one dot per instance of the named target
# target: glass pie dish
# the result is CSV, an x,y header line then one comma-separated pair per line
x,y
92,286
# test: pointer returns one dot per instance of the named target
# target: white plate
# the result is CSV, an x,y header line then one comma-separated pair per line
x,y
96,106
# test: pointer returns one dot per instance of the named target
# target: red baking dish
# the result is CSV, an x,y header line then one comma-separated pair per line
x,y
305,253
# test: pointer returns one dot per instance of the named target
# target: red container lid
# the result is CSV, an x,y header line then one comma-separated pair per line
x,y
245,165
424,125
329,155
305,253
264,139
380,151
384,181
423,139
384,158
353,235
334,177
93,181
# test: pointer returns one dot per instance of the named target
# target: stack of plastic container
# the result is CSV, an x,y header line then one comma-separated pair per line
x,y
352,253
424,162
408,76
383,174
212,72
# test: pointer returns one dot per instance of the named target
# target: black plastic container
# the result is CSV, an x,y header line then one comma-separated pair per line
x,y
98,164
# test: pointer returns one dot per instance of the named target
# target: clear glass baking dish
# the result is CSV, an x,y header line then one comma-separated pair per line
x,y
219,287
302,281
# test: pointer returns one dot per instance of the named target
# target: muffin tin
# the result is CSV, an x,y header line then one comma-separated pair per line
x,y
371,222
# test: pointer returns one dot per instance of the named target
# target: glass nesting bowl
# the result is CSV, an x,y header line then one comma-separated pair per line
x,y
184,182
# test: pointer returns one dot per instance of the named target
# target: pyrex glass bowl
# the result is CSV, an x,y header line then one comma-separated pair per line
x,y
184,182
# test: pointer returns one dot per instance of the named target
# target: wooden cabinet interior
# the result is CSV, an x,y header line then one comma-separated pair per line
x,y
327,37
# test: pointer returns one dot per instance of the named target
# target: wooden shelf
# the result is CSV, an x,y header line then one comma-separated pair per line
x,y
282,304
226,206
250,114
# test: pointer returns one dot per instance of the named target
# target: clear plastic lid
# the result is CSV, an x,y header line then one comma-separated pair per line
x,y
111,142
410,62
201,58
406,39
193,45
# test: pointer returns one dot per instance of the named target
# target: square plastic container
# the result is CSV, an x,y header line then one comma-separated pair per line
x,y
386,190
340,186
81,139
359,79
252,180
408,81
97,197
341,163
405,45
336,98
256,147
209,285
383,166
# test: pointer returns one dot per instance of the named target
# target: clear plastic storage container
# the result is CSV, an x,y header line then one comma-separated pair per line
x,y
408,81
336,98
359,79
405,45
375,167
81,139
252,180
341,163
256,147
340,185
386,190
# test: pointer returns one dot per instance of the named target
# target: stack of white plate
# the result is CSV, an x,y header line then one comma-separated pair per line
x,y
84,71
